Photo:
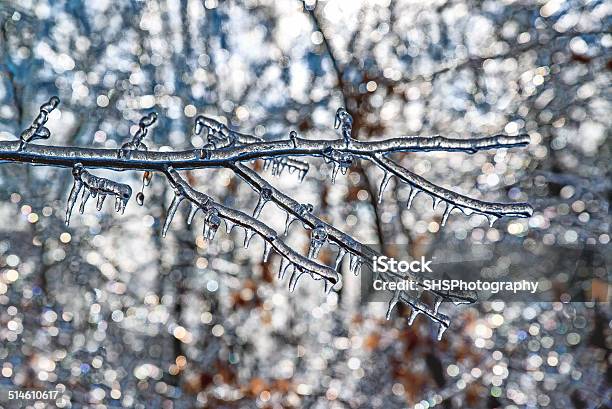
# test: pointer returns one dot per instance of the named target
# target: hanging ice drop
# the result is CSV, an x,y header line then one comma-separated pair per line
x,y
140,198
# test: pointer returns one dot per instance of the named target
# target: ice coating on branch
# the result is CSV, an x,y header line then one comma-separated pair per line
x,y
345,120
467,205
217,134
38,130
94,186
144,125
318,237
383,185
226,148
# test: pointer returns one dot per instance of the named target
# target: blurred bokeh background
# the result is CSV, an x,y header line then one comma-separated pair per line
x,y
112,315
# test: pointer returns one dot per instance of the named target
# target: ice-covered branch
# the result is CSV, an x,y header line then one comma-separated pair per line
x,y
358,252
215,212
453,200
222,157
229,149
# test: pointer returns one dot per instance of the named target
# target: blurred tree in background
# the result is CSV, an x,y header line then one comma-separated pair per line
x,y
113,316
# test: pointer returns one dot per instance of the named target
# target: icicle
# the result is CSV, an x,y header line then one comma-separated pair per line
x,y
274,168
393,303
302,174
413,193
176,201
441,330
211,224
72,198
295,276
264,196
266,252
436,202
437,304
383,185
192,212
248,235
327,287
413,314
267,163
339,257
355,264
84,198
335,169
288,221
229,225
317,239
100,201
284,264
447,212
492,219
97,187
